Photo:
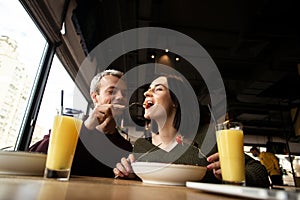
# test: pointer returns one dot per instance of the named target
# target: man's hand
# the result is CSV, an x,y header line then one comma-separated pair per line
x,y
101,119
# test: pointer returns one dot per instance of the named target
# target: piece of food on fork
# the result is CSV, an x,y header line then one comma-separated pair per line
x,y
120,106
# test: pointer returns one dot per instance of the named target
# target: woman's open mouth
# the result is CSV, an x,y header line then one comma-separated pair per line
x,y
147,104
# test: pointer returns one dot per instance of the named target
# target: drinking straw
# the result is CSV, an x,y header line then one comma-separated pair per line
x,y
62,102
212,114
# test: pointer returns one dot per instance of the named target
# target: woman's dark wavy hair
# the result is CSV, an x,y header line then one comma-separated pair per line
x,y
175,82
179,86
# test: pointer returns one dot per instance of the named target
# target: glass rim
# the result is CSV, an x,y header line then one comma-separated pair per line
x,y
228,125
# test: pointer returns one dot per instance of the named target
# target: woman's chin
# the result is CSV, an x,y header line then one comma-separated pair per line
x,y
147,116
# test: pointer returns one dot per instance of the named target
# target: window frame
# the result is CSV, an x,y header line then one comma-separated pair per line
x,y
50,29
37,92
32,111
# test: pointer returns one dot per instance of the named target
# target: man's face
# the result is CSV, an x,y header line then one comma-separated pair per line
x,y
112,90
254,153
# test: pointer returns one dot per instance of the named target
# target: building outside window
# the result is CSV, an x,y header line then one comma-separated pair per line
x,y
22,47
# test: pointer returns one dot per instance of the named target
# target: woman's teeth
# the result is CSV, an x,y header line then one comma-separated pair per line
x,y
148,104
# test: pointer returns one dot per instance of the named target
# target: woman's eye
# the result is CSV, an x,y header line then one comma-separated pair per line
x,y
158,89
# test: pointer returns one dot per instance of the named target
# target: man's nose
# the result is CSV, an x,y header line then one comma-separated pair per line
x,y
120,94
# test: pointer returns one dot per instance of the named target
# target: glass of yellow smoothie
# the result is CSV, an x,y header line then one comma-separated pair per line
x,y
62,145
230,141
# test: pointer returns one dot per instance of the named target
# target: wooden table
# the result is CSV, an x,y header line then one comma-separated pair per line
x,y
38,188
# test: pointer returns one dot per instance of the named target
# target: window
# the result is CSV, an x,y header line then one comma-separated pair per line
x,y
21,50
58,80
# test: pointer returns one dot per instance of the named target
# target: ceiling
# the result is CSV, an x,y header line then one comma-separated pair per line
x,y
254,43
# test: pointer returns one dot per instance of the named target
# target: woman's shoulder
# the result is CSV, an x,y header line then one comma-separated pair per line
x,y
188,154
141,145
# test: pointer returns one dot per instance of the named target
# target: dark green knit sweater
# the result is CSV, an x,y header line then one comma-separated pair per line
x,y
256,174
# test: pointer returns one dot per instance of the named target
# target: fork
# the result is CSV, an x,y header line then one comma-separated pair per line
x,y
144,154
119,106
200,153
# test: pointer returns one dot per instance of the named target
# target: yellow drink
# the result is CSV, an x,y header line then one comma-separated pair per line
x,y
63,141
231,152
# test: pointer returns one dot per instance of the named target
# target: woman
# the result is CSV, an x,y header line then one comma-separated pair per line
x,y
162,106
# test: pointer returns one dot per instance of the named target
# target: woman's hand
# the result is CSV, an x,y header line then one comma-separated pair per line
x,y
215,165
124,169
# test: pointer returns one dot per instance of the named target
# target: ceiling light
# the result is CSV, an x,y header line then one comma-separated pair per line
x,y
166,50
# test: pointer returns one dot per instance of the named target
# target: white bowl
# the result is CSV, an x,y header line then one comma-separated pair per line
x,y
167,173
22,163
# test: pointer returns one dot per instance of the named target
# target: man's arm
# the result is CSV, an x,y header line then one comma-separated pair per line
x,y
120,141
275,161
114,136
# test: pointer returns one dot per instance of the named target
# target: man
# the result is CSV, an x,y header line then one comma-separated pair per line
x,y
108,93
107,89
271,163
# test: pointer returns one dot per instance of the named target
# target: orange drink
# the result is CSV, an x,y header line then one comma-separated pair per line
x,y
230,141
62,145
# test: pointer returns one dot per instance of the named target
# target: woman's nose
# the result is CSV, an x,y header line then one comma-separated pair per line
x,y
148,92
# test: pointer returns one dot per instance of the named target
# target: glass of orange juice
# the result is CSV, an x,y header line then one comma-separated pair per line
x,y
62,145
230,141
